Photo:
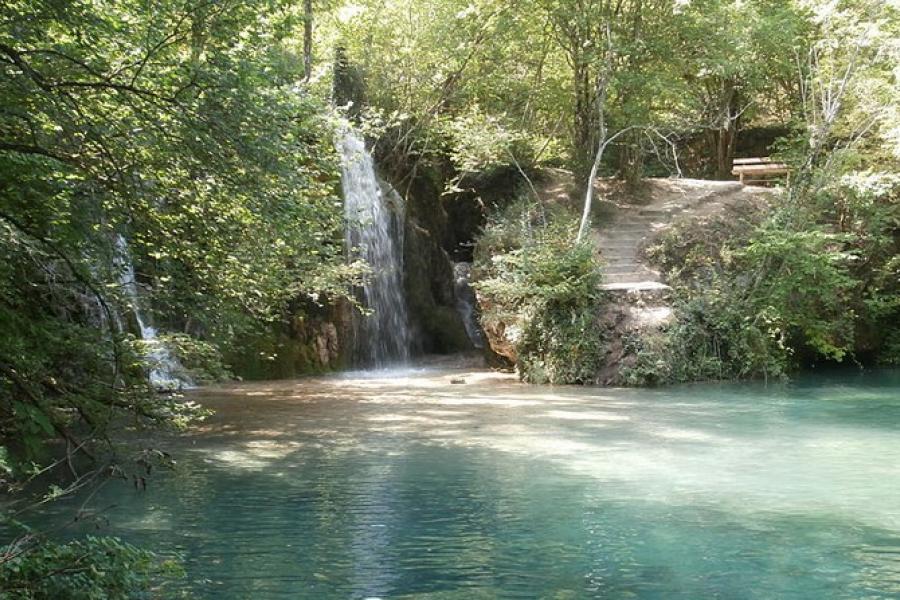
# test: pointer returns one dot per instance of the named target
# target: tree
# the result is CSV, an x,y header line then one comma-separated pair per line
x,y
154,125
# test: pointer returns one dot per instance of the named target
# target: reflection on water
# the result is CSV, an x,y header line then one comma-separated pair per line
x,y
401,484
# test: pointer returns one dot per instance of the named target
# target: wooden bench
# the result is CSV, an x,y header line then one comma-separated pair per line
x,y
758,170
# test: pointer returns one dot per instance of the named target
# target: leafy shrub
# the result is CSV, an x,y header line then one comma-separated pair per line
x,y
757,299
480,143
89,568
535,277
711,338
201,360
800,281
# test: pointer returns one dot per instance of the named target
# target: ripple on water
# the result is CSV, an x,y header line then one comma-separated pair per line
x,y
405,486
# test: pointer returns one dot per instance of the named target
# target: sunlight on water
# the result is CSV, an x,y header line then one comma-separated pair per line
x,y
401,484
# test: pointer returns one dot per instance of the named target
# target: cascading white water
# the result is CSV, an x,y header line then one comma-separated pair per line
x,y
466,302
374,214
166,373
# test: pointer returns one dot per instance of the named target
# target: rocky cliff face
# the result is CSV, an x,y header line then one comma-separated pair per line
x,y
437,324
438,230
312,339
438,327
441,231
630,316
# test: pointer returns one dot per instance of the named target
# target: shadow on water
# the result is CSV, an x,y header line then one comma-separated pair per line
x,y
402,484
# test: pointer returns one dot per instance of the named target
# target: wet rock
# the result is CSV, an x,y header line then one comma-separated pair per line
x,y
430,294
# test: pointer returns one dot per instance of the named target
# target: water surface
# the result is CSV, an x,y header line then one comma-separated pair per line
x,y
404,485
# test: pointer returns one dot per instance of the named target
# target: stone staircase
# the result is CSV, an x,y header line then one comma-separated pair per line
x,y
621,234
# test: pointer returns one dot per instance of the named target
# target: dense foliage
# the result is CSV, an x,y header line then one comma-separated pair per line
x,y
544,289
816,280
176,137
756,299
687,72
684,85
180,129
86,569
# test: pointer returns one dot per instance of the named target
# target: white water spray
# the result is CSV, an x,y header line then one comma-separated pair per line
x,y
466,302
166,373
374,214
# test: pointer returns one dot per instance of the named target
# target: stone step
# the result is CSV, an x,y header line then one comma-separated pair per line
x,y
625,266
630,263
630,225
622,238
660,213
630,274
632,253
631,230
634,286
627,280
617,245
621,259
620,249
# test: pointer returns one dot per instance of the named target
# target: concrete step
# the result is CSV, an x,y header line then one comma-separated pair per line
x,y
625,236
660,213
620,248
627,261
621,261
622,239
627,266
628,280
630,275
615,244
634,286
626,225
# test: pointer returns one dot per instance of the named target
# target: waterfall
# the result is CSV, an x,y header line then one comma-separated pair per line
x,y
166,373
466,302
375,219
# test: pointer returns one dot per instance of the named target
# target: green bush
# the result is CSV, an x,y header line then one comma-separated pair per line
x,y
711,338
759,298
92,568
531,274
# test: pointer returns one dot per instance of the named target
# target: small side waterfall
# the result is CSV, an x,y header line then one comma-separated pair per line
x,y
466,302
166,373
375,216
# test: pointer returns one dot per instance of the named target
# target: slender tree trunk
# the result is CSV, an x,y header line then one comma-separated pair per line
x,y
307,39
584,121
631,160
726,138
592,176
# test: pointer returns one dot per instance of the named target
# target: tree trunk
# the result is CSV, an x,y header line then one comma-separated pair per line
x,y
585,122
631,159
726,136
307,39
